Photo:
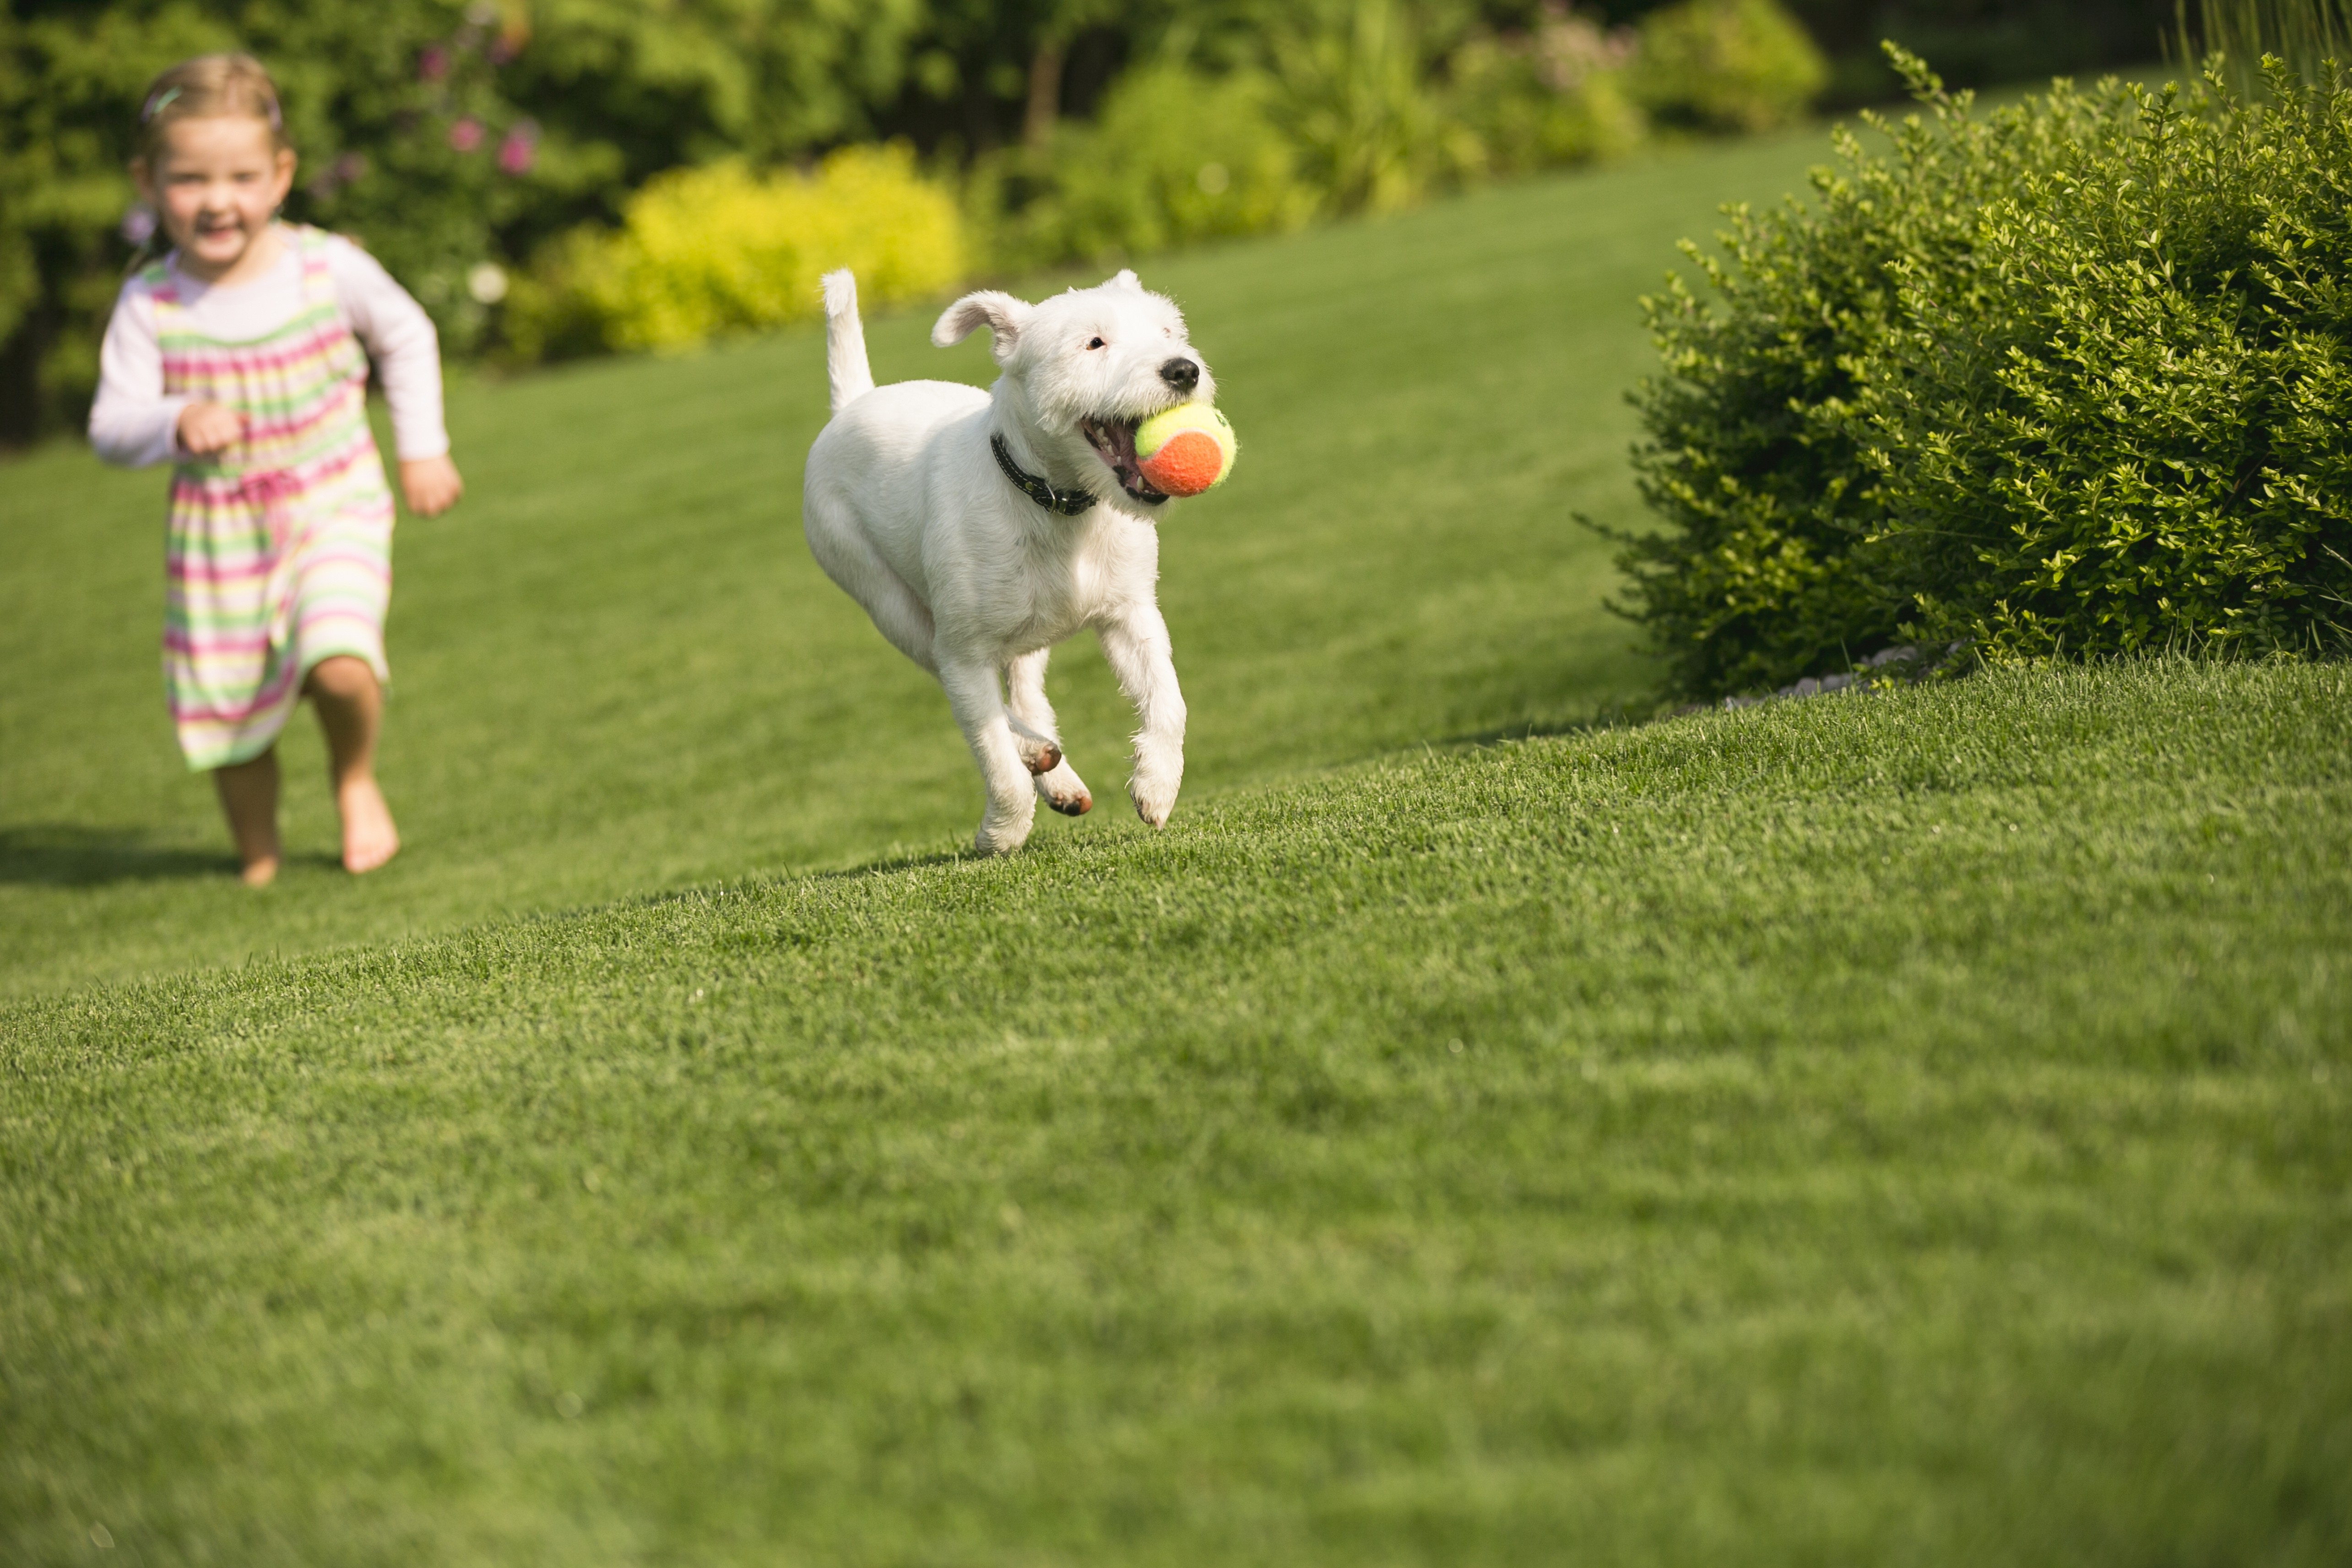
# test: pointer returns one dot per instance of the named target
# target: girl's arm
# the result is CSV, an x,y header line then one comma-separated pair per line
x,y
407,353
132,424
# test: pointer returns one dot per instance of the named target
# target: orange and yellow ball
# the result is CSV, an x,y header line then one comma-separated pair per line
x,y
1185,449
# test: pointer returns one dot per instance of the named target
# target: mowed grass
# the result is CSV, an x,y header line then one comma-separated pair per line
x,y
1900,1129
617,669
1867,1129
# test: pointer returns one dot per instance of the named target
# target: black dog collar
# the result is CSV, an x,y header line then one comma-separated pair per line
x,y
1069,503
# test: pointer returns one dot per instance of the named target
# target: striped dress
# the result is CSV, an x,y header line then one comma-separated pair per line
x,y
279,552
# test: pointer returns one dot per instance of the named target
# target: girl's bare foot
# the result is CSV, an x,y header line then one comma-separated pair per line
x,y
368,837
248,792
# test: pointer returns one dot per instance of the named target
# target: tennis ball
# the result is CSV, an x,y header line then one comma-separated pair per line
x,y
1186,449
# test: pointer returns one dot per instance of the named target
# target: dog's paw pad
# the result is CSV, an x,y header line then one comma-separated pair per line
x,y
1073,804
1044,760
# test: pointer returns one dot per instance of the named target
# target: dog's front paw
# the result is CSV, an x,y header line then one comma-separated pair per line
x,y
1062,789
1159,773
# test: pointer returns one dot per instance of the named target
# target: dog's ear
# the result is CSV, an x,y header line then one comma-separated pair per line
x,y
1000,312
1126,279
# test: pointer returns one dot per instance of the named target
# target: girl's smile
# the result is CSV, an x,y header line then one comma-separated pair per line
x,y
216,188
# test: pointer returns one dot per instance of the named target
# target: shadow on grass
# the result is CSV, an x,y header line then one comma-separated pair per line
x,y
61,856
1613,718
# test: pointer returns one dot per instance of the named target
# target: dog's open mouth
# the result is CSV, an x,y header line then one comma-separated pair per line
x,y
1114,441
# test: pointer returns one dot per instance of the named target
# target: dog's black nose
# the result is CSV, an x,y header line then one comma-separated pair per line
x,y
1181,373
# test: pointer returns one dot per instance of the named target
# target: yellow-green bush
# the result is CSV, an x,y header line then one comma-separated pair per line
x,y
708,251
1728,65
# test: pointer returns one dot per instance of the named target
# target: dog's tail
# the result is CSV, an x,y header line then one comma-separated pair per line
x,y
844,340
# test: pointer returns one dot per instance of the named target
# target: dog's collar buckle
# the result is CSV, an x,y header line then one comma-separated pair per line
x,y
1068,503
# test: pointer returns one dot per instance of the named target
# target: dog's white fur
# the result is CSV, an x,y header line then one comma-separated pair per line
x,y
907,509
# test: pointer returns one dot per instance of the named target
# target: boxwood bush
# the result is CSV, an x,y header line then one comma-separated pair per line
x,y
2069,377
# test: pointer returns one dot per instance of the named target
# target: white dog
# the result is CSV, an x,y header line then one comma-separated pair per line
x,y
979,529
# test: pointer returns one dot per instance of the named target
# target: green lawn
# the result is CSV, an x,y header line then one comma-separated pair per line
x,y
1905,1129
1908,1130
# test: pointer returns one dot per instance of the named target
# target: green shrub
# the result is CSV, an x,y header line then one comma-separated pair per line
x,y
1173,158
1356,98
1727,65
2069,376
2130,423
1754,459
709,251
1554,95
1349,106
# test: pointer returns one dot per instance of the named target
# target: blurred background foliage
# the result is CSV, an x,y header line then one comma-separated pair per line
x,y
509,159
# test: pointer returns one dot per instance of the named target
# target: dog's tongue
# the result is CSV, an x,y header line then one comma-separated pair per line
x,y
1115,439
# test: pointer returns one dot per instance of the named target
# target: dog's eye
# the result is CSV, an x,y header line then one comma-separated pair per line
x,y
1094,343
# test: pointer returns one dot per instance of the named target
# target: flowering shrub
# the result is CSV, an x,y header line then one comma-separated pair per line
x,y
705,252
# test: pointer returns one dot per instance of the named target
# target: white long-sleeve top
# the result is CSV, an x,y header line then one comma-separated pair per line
x,y
134,423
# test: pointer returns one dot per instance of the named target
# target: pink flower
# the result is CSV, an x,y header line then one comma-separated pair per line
x,y
520,147
139,224
433,64
466,134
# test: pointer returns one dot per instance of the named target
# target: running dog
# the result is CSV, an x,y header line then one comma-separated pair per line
x,y
979,529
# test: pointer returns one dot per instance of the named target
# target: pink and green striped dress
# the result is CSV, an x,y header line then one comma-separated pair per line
x,y
278,553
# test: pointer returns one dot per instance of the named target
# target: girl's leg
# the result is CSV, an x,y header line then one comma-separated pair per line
x,y
248,792
351,710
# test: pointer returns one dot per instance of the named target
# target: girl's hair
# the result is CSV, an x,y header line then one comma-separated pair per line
x,y
206,88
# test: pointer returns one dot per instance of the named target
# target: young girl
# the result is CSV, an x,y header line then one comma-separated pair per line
x,y
238,356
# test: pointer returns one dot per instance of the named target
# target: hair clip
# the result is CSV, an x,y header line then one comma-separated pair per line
x,y
158,102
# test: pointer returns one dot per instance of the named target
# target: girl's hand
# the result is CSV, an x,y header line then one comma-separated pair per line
x,y
207,428
431,485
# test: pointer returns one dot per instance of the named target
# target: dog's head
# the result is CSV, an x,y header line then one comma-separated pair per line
x,y
1084,368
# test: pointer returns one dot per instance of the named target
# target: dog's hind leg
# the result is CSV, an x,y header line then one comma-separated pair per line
x,y
1033,730
864,576
979,713
902,617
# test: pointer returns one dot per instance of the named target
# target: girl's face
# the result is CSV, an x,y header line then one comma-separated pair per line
x,y
215,186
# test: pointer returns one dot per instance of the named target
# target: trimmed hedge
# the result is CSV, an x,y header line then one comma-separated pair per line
x,y
2069,377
